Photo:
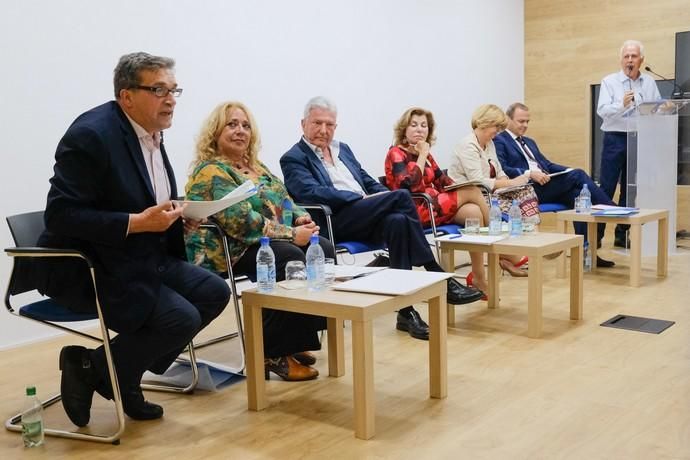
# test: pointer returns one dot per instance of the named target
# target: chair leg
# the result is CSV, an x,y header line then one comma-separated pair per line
x,y
176,389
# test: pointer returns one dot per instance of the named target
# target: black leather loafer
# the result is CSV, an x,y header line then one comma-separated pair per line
x,y
76,383
459,294
413,324
603,263
136,407
621,242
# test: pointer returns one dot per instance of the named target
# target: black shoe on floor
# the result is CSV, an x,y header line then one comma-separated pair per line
x,y
621,242
76,384
603,263
136,407
459,294
413,324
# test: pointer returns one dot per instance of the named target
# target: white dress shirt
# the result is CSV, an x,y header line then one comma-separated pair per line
x,y
340,175
154,162
610,105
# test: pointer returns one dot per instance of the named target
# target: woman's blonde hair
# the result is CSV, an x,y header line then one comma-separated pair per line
x,y
488,115
404,122
207,141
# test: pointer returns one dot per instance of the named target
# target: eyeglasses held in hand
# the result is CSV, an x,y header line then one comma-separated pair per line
x,y
161,91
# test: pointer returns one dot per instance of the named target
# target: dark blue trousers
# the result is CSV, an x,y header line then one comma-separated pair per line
x,y
614,169
389,218
565,188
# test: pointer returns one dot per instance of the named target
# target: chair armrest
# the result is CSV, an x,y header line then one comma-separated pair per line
x,y
41,252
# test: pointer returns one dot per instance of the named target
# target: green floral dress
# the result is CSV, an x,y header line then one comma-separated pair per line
x,y
245,222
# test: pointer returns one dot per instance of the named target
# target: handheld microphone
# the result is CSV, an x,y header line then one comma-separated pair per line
x,y
675,86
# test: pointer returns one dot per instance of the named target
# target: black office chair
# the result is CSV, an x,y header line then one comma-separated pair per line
x,y
25,229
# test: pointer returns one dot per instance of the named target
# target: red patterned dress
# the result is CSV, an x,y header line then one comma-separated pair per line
x,y
402,172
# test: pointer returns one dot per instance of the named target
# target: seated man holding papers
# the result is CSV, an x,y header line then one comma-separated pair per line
x,y
552,182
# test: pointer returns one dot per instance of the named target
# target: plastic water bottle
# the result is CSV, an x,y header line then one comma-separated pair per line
x,y
495,218
584,200
587,258
265,267
32,419
515,219
287,212
315,265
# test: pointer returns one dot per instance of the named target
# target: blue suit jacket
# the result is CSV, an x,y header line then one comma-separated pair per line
x,y
308,182
99,179
513,160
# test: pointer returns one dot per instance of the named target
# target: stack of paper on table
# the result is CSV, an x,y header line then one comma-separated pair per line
x,y
478,239
392,281
198,210
613,211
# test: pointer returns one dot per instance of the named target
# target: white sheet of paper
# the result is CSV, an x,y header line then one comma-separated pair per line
x,y
198,210
479,239
392,282
567,170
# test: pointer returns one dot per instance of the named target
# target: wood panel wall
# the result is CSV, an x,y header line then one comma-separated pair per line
x,y
572,45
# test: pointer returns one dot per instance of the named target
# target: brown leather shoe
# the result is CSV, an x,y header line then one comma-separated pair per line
x,y
305,358
287,368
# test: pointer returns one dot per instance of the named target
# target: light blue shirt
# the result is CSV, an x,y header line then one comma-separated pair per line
x,y
610,105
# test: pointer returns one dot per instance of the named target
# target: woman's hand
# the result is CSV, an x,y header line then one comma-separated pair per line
x,y
305,219
519,180
422,149
304,232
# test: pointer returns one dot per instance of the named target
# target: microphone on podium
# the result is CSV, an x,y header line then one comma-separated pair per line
x,y
675,86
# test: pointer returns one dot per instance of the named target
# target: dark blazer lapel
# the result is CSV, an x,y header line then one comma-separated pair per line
x,y
315,163
347,160
134,149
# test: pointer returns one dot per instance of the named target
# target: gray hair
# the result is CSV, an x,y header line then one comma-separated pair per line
x,y
321,103
128,68
636,43
510,111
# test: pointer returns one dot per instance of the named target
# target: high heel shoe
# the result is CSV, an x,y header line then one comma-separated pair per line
x,y
522,262
508,266
287,368
305,358
469,281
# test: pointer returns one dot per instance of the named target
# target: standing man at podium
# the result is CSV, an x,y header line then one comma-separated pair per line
x,y
619,92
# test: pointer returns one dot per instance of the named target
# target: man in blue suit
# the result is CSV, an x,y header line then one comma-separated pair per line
x,y
520,155
320,170
110,197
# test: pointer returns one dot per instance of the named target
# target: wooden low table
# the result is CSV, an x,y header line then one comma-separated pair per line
x,y
635,221
535,246
361,309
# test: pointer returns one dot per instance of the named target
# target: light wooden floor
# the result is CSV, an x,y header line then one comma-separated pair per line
x,y
580,392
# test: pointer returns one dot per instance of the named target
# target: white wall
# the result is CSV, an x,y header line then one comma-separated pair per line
x,y
373,58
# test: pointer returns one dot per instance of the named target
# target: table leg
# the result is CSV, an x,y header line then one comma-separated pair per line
x,y
448,265
662,248
534,296
363,378
635,254
254,344
438,357
494,277
576,282
336,345
561,227
592,242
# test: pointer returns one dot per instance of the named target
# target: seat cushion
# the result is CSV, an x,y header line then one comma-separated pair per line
x,y
49,310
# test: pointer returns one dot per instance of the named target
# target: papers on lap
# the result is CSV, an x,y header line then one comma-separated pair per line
x,y
567,170
198,210
451,187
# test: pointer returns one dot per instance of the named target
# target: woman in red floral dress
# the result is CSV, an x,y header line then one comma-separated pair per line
x,y
410,165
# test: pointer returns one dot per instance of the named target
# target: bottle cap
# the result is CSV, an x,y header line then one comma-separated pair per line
x,y
264,240
314,239
31,391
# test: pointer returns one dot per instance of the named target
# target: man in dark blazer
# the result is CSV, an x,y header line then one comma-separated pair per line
x,y
320,170
519,154
110,197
